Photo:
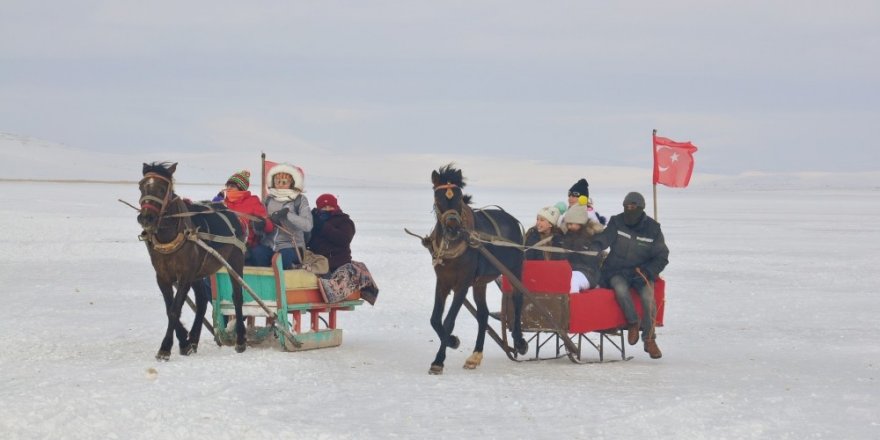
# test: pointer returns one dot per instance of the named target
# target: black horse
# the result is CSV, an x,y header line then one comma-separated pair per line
x,y
169,225
459,265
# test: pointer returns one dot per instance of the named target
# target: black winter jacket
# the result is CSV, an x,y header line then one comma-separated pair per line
x,y
332,238
533,237
641,245
580,241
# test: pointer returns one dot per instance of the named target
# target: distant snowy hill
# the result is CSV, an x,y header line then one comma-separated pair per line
x,y
31,158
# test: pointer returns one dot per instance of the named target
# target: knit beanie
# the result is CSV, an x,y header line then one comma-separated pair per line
x,y
636,198
576,214
561,206
325,200
241,179
549,213
581,187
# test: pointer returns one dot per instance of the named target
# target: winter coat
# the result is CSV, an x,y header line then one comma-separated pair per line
x,y
251,205
293,225
639,246
533,237
581,240
332,237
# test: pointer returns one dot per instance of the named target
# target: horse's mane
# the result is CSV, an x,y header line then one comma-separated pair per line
x,y
449,174
160,168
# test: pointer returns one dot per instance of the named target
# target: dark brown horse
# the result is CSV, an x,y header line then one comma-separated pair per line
x,y
459,266
169,226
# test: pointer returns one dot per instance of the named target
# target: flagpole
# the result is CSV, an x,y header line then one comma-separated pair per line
x,y
263,175
654,179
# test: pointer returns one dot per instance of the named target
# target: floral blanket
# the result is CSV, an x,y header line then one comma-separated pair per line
x,y
346,280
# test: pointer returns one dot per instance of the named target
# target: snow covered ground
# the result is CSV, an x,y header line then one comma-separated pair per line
x,y
771,331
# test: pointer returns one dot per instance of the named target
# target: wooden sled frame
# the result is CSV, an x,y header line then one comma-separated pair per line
x,y
290,295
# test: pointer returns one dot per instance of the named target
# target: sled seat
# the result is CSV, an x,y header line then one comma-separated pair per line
x,y
583,312
289,295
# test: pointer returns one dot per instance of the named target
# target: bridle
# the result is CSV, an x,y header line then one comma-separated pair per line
x,y
451,215
148,201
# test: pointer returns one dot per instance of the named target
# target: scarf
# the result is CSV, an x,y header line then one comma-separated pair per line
x,y
283,195
235,196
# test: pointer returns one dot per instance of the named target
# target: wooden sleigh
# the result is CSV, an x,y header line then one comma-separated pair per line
x,y
296,307
566,324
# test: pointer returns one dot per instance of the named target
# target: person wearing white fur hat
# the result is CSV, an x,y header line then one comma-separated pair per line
x,y
289,211
544,233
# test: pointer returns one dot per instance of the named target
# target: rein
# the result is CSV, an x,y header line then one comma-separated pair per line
x,y
185,228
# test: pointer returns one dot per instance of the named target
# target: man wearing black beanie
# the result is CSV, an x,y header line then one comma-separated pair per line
x,y
638,255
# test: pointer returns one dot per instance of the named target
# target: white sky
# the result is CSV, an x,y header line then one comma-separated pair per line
x,y
759,86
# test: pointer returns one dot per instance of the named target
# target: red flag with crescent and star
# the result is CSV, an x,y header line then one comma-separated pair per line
x,y
673,162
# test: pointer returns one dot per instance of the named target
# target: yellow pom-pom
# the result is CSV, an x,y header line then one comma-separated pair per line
x,y
583,200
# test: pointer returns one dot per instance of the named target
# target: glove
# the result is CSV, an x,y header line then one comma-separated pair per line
x,y
259,226
279,215
636,280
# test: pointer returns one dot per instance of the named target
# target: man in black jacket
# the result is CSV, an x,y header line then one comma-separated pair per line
x,y
638,255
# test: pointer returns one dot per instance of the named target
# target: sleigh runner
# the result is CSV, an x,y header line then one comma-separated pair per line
x,y
295,305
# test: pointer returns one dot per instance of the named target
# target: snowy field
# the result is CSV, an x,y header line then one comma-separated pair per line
x,y
771,331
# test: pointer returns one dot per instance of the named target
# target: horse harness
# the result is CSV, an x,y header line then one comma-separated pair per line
x,y
444,247
188,232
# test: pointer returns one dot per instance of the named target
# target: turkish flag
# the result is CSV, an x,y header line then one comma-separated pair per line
x,y
673,162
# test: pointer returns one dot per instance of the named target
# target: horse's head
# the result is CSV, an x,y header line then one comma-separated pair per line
x,y
157,191
449,200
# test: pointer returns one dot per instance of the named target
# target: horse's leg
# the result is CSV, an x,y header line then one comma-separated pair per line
x,y
167,289
202,292
458,296
176,312
474,360
237,263
440,293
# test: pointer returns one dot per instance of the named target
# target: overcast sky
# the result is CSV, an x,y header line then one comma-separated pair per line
x,y
757,85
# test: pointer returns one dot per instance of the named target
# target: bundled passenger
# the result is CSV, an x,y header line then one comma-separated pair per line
x,y
288,209
544,234
332,232
638,255
579,194
237,198
577,238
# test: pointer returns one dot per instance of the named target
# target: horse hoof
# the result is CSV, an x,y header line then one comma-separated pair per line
x,y
163,356
186,351
473,361
240,348
436,370
454,342
522,347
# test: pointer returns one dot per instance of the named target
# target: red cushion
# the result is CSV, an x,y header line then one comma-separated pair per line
x,y
544,277
597,309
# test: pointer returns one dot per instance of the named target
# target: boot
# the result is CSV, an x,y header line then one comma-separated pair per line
x,y
652,349
633,335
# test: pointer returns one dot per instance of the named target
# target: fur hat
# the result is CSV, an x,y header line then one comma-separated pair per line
x,y
581,187
549,213
636,198
576,214
241,179
295,171
325,200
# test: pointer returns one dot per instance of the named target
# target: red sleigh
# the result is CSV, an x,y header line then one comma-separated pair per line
x,y
588,318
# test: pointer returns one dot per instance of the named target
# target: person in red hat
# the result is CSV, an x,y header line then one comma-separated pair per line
x,y
332,232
